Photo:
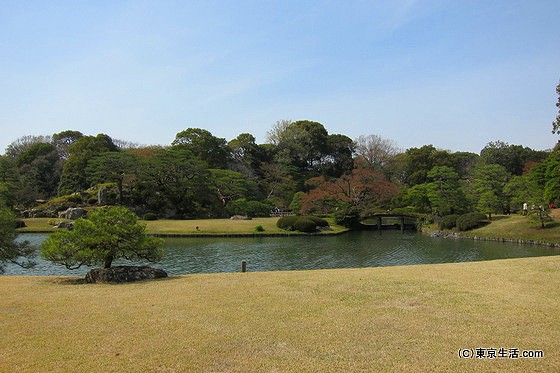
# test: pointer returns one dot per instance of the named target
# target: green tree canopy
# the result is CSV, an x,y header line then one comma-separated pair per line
x,y
112,166
74,176
203,144
106,234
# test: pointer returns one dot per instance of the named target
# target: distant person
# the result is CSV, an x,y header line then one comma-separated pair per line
x,y
525,208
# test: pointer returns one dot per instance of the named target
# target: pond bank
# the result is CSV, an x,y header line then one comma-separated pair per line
x,y
456,235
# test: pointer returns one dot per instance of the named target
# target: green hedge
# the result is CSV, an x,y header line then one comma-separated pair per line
x,y
470,221
307,224
448,221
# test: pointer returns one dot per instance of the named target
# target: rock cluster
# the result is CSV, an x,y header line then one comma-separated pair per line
x,y
120,274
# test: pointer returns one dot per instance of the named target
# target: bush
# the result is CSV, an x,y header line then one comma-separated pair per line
x,y
448,221
305,225
287,222
259,228
318,221
150,216
470,221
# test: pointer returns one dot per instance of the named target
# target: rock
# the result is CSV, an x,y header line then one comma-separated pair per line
x,y
122,274
241,217
102,196
38,213
74,213
64,224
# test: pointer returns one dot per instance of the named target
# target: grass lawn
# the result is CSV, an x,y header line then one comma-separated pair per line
x,y
205,226
517,226
413,318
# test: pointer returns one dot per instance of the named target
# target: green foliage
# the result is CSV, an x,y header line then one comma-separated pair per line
x,y
318,221
470,221
259,228
448,221
249,208
287,222
19,253
105,235
295,206
348,217
74,175
201,143
306,225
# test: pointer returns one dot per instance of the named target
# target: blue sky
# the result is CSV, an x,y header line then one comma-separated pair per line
x,y
455,74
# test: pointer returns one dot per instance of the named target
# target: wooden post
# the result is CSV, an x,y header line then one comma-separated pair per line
x,y
243,266
379,223
402,222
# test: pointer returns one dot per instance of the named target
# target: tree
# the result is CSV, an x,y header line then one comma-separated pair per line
x,y
40,168
556,123
245,155
23,143
364,190
444,191
19,253
338,158
376,151
419,161
275,134
175,180
303,145
487,188
112,166
63,140
107,234
203,144
74,176
230,185
512,157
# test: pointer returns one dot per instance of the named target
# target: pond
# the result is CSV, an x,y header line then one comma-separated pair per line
x,y
352,250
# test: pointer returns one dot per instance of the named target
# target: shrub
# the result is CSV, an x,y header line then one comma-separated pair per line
x,y
92,201
287,222
305,224
318,221
259,228
470,221
150,216
448,221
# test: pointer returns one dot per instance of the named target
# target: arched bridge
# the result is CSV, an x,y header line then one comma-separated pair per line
x,y
390,220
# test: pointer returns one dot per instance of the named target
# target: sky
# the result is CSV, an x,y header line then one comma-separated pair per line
x,y
456,74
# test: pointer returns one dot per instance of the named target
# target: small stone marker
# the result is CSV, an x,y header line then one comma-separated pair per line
x,y
243,266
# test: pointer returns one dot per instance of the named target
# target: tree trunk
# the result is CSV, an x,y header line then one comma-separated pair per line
x,y
108,261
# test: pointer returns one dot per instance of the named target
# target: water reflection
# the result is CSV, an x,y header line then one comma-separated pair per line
x,y
357,249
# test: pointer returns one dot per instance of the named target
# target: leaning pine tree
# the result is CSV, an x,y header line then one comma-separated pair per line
x,y
106,234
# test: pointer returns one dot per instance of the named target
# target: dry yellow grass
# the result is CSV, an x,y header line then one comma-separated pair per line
x,y
413,318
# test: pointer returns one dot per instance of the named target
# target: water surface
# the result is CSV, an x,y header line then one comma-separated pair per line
x,y
352,250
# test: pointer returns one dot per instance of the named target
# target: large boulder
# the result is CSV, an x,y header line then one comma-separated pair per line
x,y
74,213
120,274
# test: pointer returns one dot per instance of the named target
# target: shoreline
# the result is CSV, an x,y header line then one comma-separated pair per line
x,y
456,235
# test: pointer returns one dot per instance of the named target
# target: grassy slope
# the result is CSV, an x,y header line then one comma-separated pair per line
x,y
516,226
412,318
